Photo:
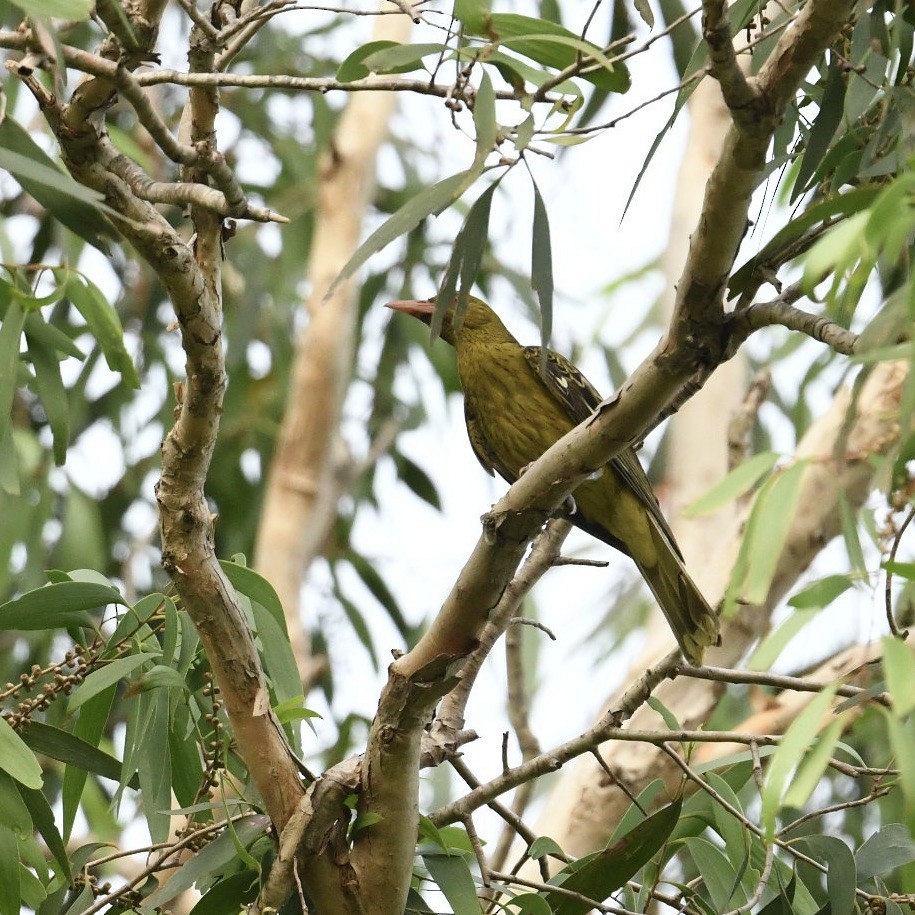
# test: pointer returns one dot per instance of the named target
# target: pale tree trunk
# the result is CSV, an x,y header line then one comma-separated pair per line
x,y
303,485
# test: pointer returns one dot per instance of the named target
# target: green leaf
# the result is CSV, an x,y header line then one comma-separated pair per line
x,y
824,127
902,741
885,851
43,817
473,13
16,759
401,58
257,589
717,873
78,208
551,45
384,56
795,744
813,765
228,895
767,529
530,904
774,643
842,246
899,668
71,750
10,899
738,482
10,334
159,676
844,204
465,260
454,879
13,811
431,200
49,387
542,269
89,727
597,876
484,119
58,605
103,677
821,593
79,10
544,845
104,324
841,873
209,860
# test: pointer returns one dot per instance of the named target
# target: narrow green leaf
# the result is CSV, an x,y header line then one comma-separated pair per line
x,y
13,811
886,850
774,643
78,10
374,57
50,389
530,904
773,514
552,45
844,204
452,875
255,587
717,873
67,748
824,126
600,874
103,677
229,895
10,334
154,766
209,860
902,741
16,759
813,765
738,482
78,208
484,118
43,817
10,898
89,727
821,593
9,474
57,605
841,873
796,742
899,668
432,200
159,676
542,269
104,324
465,260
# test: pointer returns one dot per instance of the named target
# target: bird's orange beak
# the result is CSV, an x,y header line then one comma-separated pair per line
x,y
419,308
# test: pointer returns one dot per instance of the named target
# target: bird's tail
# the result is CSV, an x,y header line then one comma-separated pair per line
x,y
692,619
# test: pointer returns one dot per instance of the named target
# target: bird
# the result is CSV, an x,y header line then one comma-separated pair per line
x,y
516,405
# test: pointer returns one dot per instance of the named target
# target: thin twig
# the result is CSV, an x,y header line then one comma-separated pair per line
x,y
890,617
777,681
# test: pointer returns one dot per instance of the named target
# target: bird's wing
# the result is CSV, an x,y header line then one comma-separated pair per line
x,y
565,383
477,442
580,398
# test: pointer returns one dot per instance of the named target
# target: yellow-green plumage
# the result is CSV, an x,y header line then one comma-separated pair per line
x,y
516,407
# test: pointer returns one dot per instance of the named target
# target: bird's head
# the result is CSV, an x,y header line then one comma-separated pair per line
x,y
477,317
